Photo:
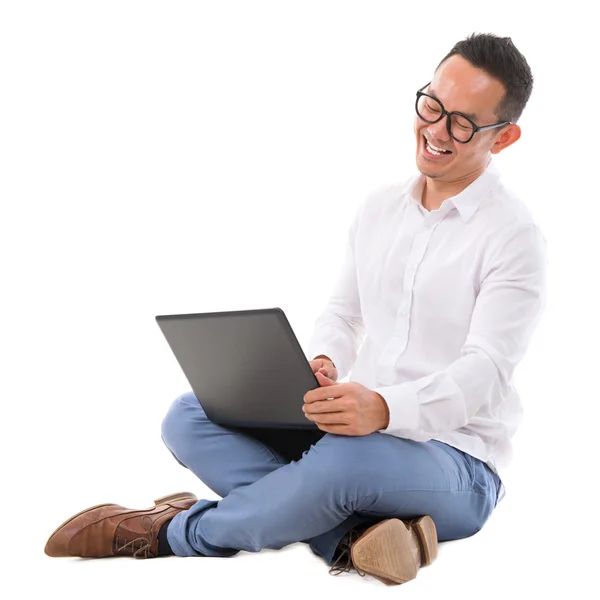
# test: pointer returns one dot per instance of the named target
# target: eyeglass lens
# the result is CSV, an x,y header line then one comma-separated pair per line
x,y
430,110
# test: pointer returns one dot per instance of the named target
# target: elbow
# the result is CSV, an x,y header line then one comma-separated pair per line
x,y
492,366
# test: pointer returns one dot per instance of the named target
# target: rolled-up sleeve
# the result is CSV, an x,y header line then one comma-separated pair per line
x,y
508,307
339,330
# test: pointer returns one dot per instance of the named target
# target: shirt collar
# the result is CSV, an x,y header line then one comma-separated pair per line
x,y
466,202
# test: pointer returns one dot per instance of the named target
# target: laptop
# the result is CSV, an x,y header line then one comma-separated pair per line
x,y
246,367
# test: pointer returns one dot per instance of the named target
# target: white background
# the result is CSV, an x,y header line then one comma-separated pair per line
x,y
170,157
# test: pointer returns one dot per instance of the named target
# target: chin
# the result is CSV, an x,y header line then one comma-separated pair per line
x,y
426,169
430,168
429,174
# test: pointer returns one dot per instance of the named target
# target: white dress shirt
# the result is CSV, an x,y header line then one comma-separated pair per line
x,y
434,310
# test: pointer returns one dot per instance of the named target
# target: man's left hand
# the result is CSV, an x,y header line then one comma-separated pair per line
x,y
345,408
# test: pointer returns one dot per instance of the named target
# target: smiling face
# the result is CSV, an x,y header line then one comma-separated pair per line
x,y
467,89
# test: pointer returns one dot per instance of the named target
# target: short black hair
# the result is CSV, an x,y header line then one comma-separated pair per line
x,y
499,57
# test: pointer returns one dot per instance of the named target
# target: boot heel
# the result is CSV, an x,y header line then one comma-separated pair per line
x,y
425,529
175,498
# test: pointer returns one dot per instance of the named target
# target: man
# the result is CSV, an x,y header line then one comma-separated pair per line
x,y
442,286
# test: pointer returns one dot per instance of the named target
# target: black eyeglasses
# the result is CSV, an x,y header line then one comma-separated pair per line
x,y
459,126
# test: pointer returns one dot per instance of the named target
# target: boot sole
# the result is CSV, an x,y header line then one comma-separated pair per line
x,y
157,502
388,550
176,498
427,534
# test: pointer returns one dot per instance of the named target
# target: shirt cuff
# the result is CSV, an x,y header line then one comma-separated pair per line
x,y
403,406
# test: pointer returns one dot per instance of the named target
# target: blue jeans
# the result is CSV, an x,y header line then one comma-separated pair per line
x,y
269,499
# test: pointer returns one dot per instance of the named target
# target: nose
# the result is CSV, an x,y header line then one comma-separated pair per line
x,y
439,131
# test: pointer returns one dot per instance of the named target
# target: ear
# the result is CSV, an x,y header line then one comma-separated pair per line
x,y
507,137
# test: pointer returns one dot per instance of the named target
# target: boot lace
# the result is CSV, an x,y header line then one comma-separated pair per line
x,y
139,547
345,558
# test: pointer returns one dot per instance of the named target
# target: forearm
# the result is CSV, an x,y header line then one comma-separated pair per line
x,y
339,342
445,400
339,329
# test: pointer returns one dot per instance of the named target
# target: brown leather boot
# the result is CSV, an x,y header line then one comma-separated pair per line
x,y
391,550
112,530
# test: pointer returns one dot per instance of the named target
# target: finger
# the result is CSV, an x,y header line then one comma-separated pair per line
x,y
323,379
336,390
337,429
325,372
329,418
324,406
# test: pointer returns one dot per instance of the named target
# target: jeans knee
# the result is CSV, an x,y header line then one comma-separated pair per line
x,y
344,456
178,419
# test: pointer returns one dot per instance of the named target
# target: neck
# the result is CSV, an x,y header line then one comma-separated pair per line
x,y
435,191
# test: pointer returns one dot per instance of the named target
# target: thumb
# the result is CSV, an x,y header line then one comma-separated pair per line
x,y
323,379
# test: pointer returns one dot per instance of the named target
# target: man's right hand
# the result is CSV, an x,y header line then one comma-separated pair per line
x,y
325,366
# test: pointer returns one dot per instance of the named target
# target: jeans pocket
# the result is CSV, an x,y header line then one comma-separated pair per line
x,y
469,462
483,481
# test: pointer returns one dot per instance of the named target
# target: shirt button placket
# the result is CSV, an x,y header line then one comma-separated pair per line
x,y
397,345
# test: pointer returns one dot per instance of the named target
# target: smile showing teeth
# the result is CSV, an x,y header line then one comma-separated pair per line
x,y
435,150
